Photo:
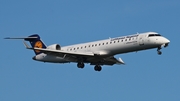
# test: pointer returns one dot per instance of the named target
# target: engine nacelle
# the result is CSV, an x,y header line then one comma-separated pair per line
x,y
54,47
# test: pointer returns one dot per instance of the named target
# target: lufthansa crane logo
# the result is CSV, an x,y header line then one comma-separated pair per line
x,y
38,44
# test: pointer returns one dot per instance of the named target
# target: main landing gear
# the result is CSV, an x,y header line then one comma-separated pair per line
x,y
80,65
97,68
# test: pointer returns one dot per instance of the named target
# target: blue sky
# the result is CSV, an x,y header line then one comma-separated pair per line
x,y
145,77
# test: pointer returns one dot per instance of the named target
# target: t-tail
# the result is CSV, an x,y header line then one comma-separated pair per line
x,y
34,40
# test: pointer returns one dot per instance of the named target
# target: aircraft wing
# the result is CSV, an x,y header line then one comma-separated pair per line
x,y
60,52
114,60
107,61
90,57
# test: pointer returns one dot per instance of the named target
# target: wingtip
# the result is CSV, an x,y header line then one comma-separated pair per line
x,y
122,62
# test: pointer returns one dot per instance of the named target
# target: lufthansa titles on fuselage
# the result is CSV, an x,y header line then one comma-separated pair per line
x,y
127,38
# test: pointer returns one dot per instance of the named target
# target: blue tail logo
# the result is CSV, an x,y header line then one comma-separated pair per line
x,y
36,42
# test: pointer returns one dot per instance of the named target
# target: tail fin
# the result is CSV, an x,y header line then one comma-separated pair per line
x,y
35,42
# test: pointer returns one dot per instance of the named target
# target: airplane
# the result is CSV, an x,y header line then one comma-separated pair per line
x,y
95,53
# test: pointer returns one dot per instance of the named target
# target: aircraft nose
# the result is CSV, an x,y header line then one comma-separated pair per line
x,y
166,41
34,57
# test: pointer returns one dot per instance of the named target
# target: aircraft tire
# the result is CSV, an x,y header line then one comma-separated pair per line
x,y
80,65
98,68
159,52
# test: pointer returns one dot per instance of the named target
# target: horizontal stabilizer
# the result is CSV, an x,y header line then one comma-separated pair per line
x,y
34,40
22,38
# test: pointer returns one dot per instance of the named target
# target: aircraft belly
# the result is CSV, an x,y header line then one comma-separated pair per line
x,y
54,59
130,48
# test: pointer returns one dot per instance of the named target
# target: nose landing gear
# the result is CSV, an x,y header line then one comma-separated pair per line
x,y
158,51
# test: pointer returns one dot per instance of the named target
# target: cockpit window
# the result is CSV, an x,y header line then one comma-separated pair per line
x,y
151,35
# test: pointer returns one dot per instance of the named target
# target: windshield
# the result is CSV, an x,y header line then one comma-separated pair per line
x,y
151,35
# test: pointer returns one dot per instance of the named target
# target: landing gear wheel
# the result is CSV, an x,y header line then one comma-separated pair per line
x,y
98,68
80,65
159,52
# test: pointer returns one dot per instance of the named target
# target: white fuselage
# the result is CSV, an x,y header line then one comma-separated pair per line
x,y
111,46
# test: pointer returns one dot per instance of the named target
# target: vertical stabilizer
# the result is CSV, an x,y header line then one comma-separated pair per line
x,y
35,42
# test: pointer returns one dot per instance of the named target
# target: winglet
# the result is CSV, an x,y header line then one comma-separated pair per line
x,y
121,61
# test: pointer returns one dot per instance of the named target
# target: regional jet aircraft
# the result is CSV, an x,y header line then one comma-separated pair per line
x,y
96,53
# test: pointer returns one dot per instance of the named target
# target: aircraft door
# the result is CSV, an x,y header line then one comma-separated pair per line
x,y
141,40
88,48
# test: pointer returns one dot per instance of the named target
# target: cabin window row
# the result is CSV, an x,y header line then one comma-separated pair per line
x,y
94,45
